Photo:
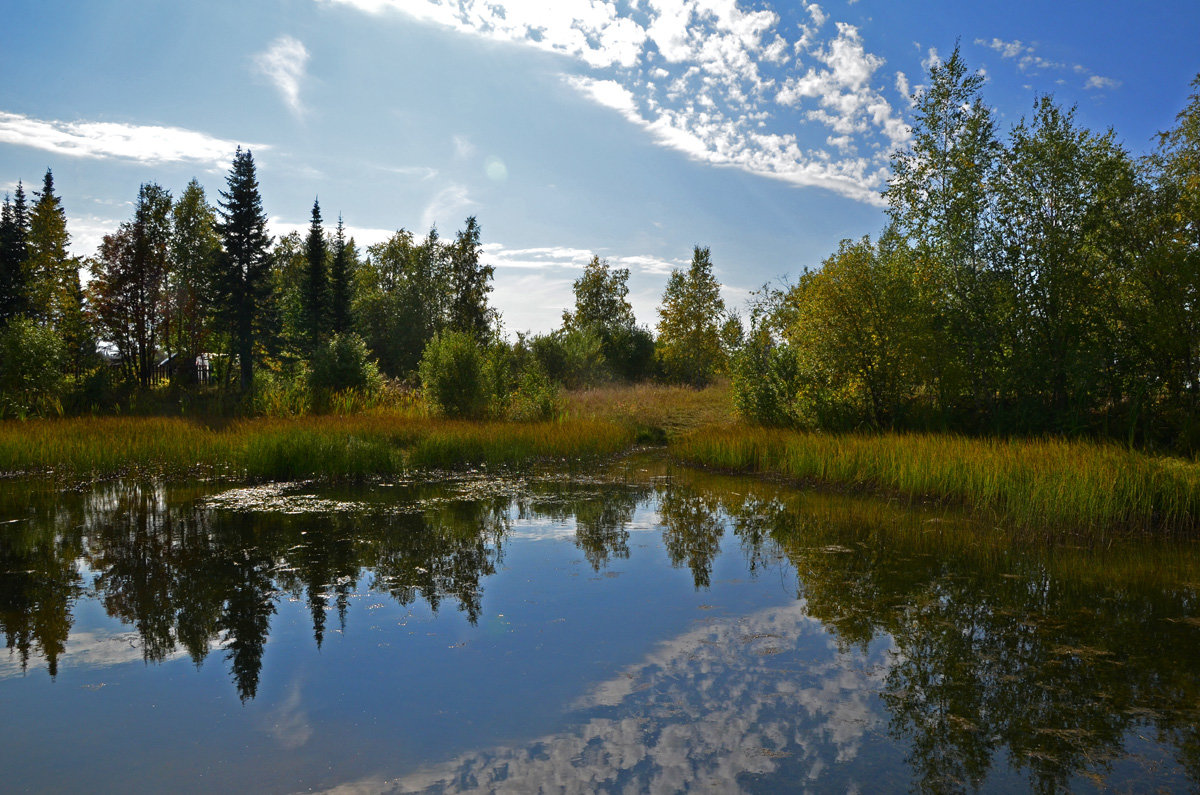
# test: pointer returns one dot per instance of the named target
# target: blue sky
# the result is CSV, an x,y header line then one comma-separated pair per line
x,y
631,129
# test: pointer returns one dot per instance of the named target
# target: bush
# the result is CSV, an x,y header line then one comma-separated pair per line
x,y
341,364
764,380
280,393
629,352
573,357
536,397
501,364
31,360
452,375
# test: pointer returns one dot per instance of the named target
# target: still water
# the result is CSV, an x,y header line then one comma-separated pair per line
x,y
637,629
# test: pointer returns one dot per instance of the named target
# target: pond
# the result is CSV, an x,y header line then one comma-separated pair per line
x,y
636,628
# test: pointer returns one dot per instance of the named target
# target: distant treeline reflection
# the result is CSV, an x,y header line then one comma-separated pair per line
x,y
1054,658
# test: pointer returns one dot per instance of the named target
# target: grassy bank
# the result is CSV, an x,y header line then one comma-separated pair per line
x,y
337,447
1051,487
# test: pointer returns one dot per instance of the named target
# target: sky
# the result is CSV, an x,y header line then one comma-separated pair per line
x,y
628,129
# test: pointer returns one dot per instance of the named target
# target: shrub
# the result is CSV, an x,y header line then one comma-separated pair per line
x,y
764,381
31,360
280,393
573,357
452,375
342,363
629,351
501,364
536,396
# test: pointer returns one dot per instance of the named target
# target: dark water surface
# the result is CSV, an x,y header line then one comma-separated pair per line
x,y
634,630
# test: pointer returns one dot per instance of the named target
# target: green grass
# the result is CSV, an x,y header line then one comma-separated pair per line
x,y
1052,487
330,446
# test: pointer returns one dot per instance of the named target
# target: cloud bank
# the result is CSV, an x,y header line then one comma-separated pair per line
x,y
722,84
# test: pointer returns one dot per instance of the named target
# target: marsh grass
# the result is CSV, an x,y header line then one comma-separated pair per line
x,y
350,446
656,412
1046,486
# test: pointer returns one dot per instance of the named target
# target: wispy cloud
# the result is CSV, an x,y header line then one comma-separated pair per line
x,y
283,63
447,206
1027,60
420,172
463,148
724,84
104,140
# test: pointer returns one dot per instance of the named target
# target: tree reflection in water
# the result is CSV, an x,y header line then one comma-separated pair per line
x,y
1051,659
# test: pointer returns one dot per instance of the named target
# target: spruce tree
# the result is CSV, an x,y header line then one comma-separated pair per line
x,y
470,284
245,262
49,266
339,283
316,285
14,241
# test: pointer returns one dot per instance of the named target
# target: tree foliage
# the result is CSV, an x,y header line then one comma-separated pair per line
x,y
129,282
195,254
470,283
316,282
452,375
14,254
1047,282
245,261
689,329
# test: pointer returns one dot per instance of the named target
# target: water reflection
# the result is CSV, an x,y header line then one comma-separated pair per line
x,y
732,705
915,639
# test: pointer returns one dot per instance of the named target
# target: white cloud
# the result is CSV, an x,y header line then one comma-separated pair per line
x,y
420,172
147,144
717,81
362,235
1027,60
1096,81
608,93
283,64
589,30
1007,49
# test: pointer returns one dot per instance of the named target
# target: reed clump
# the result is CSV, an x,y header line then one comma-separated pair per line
x,y
350,446
1050,485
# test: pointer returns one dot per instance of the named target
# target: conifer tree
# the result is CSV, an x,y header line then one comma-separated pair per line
x,y
49,266
470,284
245,263
339,283
14,241
316,285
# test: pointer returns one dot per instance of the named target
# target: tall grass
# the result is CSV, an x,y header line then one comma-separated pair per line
x,y
354,446
655,410
1051,486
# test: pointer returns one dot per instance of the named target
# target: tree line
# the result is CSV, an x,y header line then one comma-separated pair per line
x,y
201,300
1045,281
